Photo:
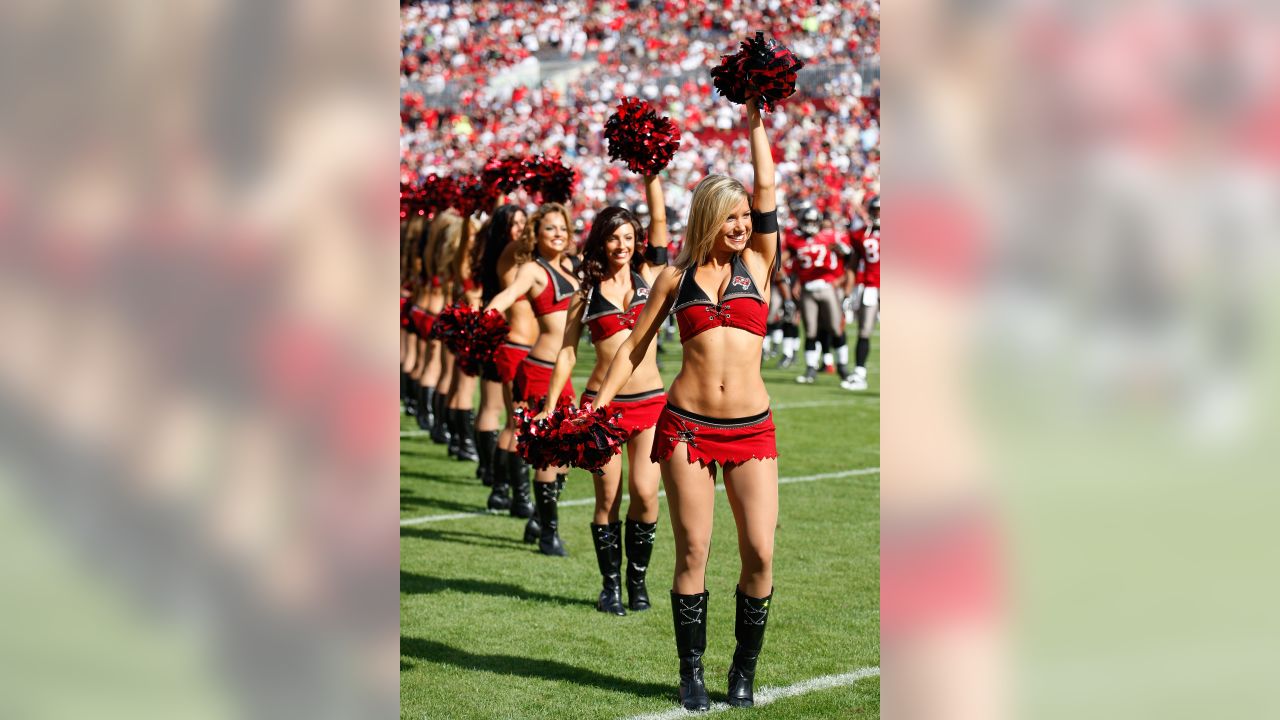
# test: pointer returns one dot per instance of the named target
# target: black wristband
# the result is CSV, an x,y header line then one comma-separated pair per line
x,y
763,223
656,255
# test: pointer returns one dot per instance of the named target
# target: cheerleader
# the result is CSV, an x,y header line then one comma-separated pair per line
x,y
456,279
499,272
616,277
504,227
717,412
437,361
546,278
410,270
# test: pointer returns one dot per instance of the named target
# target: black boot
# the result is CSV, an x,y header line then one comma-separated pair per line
x,y
439,418
608,542
548,495
455,436
753,613
639,549
422,406
521,504
405,398
499,500
486,444
689,612
466,424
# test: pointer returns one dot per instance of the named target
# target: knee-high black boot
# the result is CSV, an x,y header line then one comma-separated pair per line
x,y
486,443
548,496
608,542
439,418
465,422
689,613
405,398
423,411
499,500
521,504
639,550
455,434
753,614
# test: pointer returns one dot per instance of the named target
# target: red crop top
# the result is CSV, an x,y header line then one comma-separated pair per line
x,y
555,296
742,306
604,319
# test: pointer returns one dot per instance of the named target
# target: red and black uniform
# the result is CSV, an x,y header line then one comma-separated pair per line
x,y
728,441
866,245
639,411
533,376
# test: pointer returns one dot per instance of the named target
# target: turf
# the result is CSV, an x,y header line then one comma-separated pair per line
x,y
492,629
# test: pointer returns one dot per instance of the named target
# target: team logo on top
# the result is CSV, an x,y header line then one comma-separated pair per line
x,y
741,282
642,292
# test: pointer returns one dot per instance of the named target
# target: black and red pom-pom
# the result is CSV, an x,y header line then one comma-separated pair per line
x,y
450,325
504,174
475,195
641,139
486,331
472,336
581,437
762,68
549,177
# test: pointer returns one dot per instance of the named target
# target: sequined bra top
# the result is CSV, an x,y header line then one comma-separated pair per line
x,y
555,296
742,306
604,319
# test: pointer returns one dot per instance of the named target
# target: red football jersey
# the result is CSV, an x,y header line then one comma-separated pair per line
x,y
866,242
821,257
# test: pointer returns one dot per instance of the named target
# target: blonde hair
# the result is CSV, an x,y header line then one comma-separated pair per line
x,y
713,199
528,241
442,243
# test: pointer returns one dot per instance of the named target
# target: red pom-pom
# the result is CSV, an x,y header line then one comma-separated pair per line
x,y
762,68
641,139
548,177
485,332
450,325
475,195
505,174
581,437
473,337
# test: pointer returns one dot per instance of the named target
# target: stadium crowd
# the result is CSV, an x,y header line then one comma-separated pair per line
x,y
455,117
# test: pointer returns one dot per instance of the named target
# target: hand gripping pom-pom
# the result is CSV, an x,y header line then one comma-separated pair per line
x,y
764,69
486,331
473,337
641,139
581,437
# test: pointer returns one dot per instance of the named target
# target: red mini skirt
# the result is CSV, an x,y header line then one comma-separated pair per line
x,y
711,440
639,411
422,320
533,380
506,362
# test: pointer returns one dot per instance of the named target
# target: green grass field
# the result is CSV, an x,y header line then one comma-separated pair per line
x,y
491,629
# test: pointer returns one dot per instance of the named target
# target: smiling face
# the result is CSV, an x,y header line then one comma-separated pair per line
x,y
621,245
735,228
552,235
518,220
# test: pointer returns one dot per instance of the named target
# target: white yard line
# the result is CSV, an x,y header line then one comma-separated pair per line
x,y
591,501
766,695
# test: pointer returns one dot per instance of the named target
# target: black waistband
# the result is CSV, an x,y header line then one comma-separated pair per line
x,y
633,397
718,422
525,348
539,363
